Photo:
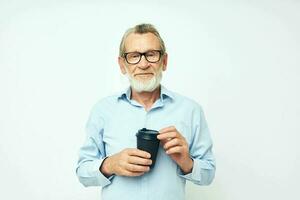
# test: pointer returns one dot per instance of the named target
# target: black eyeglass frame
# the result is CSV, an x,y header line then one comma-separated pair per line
x,y
141,55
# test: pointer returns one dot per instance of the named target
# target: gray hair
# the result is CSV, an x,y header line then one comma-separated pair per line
x,y
142,29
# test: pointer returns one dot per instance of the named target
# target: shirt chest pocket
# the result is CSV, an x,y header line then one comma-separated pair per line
x,y
118,138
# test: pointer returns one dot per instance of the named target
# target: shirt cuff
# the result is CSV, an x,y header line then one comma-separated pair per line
x,y
100,176
195,174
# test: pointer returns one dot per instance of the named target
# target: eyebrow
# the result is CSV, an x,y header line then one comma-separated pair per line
x,y
143,51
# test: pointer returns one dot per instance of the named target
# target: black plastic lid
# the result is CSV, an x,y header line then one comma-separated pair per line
x,y
147,134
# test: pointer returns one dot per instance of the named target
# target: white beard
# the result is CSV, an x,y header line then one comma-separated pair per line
x,y
145,86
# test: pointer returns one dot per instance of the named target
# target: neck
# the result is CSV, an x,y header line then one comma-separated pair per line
x,y
147,99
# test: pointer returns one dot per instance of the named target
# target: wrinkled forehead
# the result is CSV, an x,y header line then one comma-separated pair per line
x,y
141,42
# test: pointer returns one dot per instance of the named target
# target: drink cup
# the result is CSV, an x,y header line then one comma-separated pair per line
x,y
147,141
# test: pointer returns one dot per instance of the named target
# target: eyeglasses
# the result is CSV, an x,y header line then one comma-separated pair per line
x,y
151,56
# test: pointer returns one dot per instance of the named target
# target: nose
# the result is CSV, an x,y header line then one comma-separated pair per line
x,y
144,64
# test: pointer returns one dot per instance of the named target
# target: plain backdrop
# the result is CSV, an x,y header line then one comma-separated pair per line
x,y
239,59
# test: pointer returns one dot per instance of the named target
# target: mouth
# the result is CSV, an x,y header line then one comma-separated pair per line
x,y
144,74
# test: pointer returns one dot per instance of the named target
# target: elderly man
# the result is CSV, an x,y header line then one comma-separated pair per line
x,y
109,157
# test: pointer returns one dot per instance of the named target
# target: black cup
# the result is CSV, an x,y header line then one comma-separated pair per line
x,y
147,141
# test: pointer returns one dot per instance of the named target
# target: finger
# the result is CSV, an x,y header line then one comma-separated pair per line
x,y
139,161
172,143
137,168
166,135
176,149
167,129
138,152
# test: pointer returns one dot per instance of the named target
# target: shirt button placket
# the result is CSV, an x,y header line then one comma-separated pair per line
x,y
146,119
147,124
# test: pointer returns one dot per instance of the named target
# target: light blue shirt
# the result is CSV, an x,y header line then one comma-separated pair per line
x,y
112,127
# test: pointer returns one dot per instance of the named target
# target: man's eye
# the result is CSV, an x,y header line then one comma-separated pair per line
x,y
134,55
150,54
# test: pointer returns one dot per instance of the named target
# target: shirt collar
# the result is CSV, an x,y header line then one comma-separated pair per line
x,y
125,94
164,93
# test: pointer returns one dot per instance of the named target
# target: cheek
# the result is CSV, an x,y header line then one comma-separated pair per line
x,y
158,69
129,70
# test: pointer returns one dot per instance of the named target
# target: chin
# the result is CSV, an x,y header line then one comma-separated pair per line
x,y
143,80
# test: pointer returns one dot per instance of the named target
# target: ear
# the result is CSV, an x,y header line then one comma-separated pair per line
x,y
122,65
165,62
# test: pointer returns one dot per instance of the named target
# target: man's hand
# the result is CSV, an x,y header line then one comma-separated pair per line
x,y
129,162
176,147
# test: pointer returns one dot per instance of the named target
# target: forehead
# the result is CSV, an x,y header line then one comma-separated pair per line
x,y
141,42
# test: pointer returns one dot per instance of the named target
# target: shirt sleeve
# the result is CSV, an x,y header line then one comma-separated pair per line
x,y
92,154
203,171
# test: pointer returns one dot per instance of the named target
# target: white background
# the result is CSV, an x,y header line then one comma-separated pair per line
x,y
239,59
